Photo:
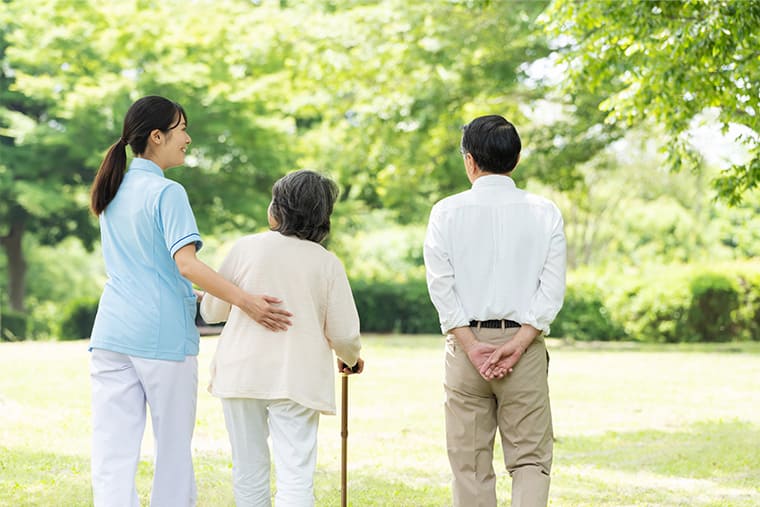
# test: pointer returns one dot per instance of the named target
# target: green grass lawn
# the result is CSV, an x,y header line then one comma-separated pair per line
x,y
635,426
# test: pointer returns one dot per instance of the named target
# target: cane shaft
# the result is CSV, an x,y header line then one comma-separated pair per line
x,y
344,440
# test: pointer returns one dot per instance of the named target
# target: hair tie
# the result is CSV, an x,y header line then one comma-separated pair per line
x,y
123,141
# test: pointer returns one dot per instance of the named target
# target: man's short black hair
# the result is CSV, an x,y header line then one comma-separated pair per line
x,y
493,143
302,203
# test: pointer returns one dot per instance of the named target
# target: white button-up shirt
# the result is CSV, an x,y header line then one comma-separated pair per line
x,y
495,252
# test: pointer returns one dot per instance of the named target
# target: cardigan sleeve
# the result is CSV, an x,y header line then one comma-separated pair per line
x,y
342,318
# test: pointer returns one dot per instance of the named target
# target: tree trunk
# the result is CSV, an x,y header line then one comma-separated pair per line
x,y
16,264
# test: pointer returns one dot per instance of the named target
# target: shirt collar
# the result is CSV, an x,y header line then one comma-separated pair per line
x,y
494,180
143,164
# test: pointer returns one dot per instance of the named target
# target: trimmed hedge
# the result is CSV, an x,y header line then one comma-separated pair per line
x,y
682,303
584,316
689,303
386,307
712,314
13,326
78,318
748,281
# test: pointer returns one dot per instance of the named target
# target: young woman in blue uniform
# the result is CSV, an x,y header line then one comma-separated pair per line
x,y
144,342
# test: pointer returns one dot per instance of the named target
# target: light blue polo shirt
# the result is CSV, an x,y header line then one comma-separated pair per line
x,y
147,308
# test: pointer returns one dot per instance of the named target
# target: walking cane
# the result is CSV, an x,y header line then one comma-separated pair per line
x,y
344,432
344,438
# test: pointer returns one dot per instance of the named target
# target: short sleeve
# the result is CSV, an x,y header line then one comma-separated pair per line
x,y
177,220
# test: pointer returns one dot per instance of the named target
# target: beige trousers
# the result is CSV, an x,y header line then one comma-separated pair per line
x,y
518,405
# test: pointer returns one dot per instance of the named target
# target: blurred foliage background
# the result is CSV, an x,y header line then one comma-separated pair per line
x,y
639,118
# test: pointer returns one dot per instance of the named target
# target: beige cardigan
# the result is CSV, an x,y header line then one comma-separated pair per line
x,y
254,362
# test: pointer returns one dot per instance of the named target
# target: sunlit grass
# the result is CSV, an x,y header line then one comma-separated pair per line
x,y
635,425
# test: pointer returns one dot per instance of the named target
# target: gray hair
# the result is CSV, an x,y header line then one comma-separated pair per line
x,y
302,203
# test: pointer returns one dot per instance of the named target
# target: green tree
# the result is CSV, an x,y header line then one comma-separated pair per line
x,y
372,92
381,89
64,93
665,62
41,174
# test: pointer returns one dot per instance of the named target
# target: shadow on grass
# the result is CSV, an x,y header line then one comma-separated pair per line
x,y
32,478
708,463
369,489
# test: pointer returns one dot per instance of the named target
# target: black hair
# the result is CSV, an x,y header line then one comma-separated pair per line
x,y
493,143
143,117
302,203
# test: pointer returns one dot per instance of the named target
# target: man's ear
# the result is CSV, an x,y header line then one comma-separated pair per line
x,y
472,166
468,163
515,167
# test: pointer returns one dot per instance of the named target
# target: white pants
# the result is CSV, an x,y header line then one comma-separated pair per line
x,y
293,428
121,386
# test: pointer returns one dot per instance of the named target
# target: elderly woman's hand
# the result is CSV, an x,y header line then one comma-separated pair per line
x,y
349,370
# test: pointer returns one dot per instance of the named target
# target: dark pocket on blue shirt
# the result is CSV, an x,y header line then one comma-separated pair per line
x,y
191,331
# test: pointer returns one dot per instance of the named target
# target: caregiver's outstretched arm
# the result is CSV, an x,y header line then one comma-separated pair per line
x,y
260,308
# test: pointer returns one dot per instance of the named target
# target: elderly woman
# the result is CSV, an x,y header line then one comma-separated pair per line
x,y
278,383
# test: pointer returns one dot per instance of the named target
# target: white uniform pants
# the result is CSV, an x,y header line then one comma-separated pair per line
x,y
121,386
293,428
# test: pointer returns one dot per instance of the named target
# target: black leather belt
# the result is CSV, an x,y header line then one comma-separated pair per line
x,y
494,324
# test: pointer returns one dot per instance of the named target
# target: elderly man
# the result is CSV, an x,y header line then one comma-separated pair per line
x,y
495,258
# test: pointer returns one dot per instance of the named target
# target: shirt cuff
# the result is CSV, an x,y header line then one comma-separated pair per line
x,y
447,324
540,323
